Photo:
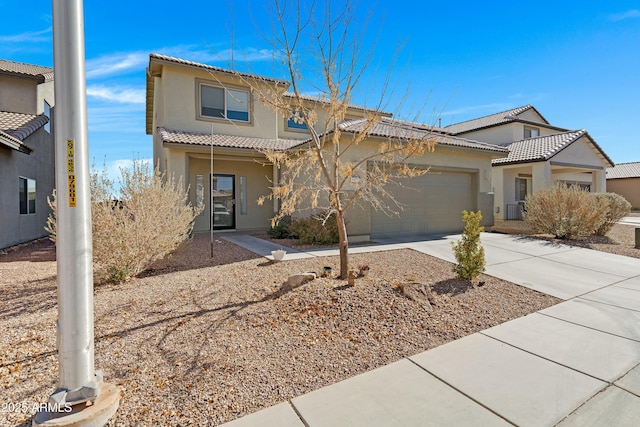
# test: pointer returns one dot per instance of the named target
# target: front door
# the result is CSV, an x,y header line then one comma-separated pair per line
x,y
223,201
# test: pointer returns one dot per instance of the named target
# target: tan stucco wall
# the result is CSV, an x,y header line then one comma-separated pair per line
x,y
581,152
506,133
531,116
18,95
443,158
257,217
629,188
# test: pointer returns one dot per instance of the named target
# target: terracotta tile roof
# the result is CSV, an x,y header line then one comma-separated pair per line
x,y
544,148
322,100
490,120
388,128
229,141
36,72
160,57
624,170
16,127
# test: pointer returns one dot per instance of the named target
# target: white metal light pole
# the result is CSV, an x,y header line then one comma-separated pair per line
x,y
79,384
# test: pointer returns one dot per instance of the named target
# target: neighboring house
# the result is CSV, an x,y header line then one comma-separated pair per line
x,y
195,111
27,158
624,179
540,155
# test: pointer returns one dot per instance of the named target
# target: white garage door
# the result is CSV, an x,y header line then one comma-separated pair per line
x,y
433,203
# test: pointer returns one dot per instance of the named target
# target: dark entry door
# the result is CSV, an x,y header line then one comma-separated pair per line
x,y
223,201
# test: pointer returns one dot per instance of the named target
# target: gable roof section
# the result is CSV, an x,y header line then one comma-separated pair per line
x,y
35,72
389,128
624,170
544,148
322,100
16,127
228,141
155,65
491,120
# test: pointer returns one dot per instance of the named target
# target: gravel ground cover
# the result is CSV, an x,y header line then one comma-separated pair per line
x,y
620,240
202,341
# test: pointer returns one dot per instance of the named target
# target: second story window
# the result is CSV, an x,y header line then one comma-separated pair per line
x,y
530,132
224,103
296,124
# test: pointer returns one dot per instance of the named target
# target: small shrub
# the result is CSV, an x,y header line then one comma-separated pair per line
x,y
613,206
565,212
314,230
282,230
469,252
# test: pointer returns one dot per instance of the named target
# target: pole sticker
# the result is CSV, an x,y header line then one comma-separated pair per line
x,y
71,173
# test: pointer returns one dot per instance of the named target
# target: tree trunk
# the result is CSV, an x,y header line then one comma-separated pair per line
x,y
344,245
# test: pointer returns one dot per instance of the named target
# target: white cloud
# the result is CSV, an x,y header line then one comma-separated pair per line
x,y
116,63
117,94
633,13
136,61
28,37
490,108
114,170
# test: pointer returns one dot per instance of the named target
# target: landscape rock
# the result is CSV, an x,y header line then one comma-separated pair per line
x,y
418,292
300,279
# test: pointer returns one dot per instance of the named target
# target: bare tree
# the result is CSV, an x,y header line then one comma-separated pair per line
x,y
322,51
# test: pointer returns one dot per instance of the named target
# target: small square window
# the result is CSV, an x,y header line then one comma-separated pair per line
x,y
531,132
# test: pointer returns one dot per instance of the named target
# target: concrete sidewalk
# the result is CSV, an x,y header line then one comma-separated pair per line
x,y
574,364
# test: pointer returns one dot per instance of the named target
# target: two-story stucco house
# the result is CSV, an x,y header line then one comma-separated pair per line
x,y
27,159
540,155
211,128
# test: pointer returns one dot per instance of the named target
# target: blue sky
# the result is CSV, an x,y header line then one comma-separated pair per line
x,y
577,62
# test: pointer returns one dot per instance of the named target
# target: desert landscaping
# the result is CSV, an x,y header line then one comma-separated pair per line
x,y
201,340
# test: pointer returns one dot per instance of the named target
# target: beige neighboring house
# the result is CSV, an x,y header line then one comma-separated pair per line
x,y
624,179
27,152
196,110
540,155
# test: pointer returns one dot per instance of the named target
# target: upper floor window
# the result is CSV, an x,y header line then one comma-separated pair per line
x,y
224,103
530,132
296,124
47,112
27,192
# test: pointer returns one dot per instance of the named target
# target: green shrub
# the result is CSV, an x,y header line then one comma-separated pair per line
x,y
565,212
613,206
316,230
282,230
468,251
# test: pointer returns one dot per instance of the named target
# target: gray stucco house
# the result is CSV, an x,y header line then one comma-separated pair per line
x,y
27,151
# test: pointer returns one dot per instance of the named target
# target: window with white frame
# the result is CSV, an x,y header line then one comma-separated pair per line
x,y
530,132
27,193
224,103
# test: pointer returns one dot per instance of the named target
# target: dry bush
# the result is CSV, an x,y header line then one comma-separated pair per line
x,y
613,206
565,212
149,220
314,229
